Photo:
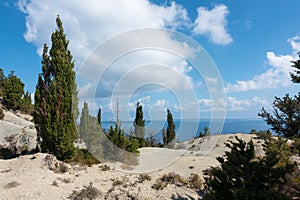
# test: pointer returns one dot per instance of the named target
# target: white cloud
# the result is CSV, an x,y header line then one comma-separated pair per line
x,y
90,23
213,24
278,75
232,104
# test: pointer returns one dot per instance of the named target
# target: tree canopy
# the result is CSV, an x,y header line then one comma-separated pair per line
x,y
56,98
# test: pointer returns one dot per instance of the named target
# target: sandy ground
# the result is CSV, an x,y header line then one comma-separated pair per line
x,y
32,179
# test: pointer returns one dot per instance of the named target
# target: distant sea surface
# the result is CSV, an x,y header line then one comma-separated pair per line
x,y
187,129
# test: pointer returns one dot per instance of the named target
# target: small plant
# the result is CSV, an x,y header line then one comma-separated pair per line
x,y
144,177
88,193
117,183
195,181
83,157
11,185
104,168
55,183
1,114
170,178
63,168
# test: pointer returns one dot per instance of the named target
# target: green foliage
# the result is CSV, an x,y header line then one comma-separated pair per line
x,y
84,120
206,132
296,75
83,157
286,115
139,125
13,91
26,105
285,120
243,176
170,134
56,98
1,114
118,138
99,117
2,82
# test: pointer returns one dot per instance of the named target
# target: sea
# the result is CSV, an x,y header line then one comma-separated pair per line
x,y
188,129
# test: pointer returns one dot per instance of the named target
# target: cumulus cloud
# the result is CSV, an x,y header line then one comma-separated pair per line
x,y
278,75
213,23
90,23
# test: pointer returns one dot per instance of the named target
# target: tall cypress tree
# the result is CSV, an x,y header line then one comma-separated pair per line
x,y
170,128
56,98
84,120
99,117
139,125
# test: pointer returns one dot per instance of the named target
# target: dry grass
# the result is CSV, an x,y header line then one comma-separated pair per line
x,y
194,182
88,193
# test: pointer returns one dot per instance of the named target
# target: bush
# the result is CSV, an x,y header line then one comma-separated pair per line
x,y
144,177
1,114
83,157
195,182
88,193
244,176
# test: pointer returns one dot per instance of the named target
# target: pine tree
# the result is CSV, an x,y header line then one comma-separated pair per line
x,y
243,176
171,136
13,91
139,125
296,75
56,98
285,120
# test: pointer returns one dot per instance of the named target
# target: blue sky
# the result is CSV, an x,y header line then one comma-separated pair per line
x,y
251,42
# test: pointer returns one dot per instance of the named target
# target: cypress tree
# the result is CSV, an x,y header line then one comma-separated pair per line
x,y
56,98
139,125
99,117
84,120
170,128
26,103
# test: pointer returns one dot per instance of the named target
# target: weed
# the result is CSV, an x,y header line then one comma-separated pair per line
x,y
88,192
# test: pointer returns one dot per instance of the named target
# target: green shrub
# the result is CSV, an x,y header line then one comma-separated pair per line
x,y
1,114
83,157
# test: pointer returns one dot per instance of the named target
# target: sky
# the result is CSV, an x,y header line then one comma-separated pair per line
x,y
244,50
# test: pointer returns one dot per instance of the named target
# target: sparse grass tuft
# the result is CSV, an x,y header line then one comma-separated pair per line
x,y
88,193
